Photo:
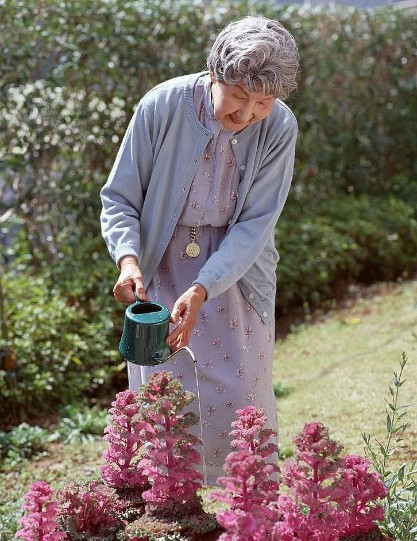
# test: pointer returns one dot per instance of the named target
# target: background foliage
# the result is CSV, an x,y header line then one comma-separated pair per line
x,y
71,74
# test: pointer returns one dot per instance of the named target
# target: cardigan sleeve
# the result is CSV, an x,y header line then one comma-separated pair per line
x,y
123,194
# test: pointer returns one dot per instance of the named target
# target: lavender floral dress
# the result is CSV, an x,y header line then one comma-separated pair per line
x,y
232,346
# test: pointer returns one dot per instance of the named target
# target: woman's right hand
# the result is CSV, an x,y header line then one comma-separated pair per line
x,y
130,281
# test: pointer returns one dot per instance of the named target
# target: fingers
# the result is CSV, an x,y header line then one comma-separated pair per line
x,y
181,334
123,292
179,342
185,313
179,338
140,292
129,283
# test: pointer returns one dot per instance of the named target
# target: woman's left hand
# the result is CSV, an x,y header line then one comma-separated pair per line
x,y
185,313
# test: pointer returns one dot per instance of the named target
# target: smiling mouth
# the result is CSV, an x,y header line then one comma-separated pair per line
x,y
235,121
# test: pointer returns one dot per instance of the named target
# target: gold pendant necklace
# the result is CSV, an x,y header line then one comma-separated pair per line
x,y
192,249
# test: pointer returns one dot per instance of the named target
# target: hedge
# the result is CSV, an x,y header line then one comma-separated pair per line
x,y
71,74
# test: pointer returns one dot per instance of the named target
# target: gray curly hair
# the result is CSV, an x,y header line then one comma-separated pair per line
x,y
257,53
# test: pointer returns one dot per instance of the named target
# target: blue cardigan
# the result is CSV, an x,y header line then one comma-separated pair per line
x,y
152,174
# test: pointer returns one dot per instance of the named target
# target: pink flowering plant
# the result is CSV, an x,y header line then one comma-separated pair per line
x,y
326,497
330,497
170,456
249,432
125,438
361,488
251,514
311,476
250,490
40,520
153,457
169,461
151,454
89,510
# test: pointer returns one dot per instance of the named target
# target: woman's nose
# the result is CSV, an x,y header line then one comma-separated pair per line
x,y
245,112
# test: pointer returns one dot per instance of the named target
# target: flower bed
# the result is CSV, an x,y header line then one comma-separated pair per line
x,y
149,486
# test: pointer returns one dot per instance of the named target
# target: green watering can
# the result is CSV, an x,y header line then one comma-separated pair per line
x,y
146,327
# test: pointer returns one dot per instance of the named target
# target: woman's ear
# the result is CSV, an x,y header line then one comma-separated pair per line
x,y
212,77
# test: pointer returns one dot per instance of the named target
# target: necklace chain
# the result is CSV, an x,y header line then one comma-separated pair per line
x,y
192,249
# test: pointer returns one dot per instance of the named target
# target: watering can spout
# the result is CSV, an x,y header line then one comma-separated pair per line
x,y
145,330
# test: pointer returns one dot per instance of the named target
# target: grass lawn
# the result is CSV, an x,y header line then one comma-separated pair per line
x,y
340,365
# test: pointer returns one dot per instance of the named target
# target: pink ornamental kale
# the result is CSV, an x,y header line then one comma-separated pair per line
x,y
317,451
327,497
315,466
314,520
249,432
252,512
250,491
124,438
312,477
295,523
89,508
362,488
39,522
170,455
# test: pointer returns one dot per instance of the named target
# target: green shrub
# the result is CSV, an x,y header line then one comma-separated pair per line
x,y
82,68
60,352
400,505
357,94
22,443
365,238
281,390
9,524
82,424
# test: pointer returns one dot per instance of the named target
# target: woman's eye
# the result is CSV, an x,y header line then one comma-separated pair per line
x,y
267,103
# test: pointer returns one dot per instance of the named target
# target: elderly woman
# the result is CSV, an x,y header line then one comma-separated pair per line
x,y
189,212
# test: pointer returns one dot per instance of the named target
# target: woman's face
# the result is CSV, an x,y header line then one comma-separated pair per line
x,y
236,107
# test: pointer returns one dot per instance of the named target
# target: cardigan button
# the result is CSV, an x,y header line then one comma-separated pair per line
x,y
265,314
251,295
234,141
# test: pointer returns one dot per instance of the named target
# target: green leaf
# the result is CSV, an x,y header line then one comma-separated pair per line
x,y
401,472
